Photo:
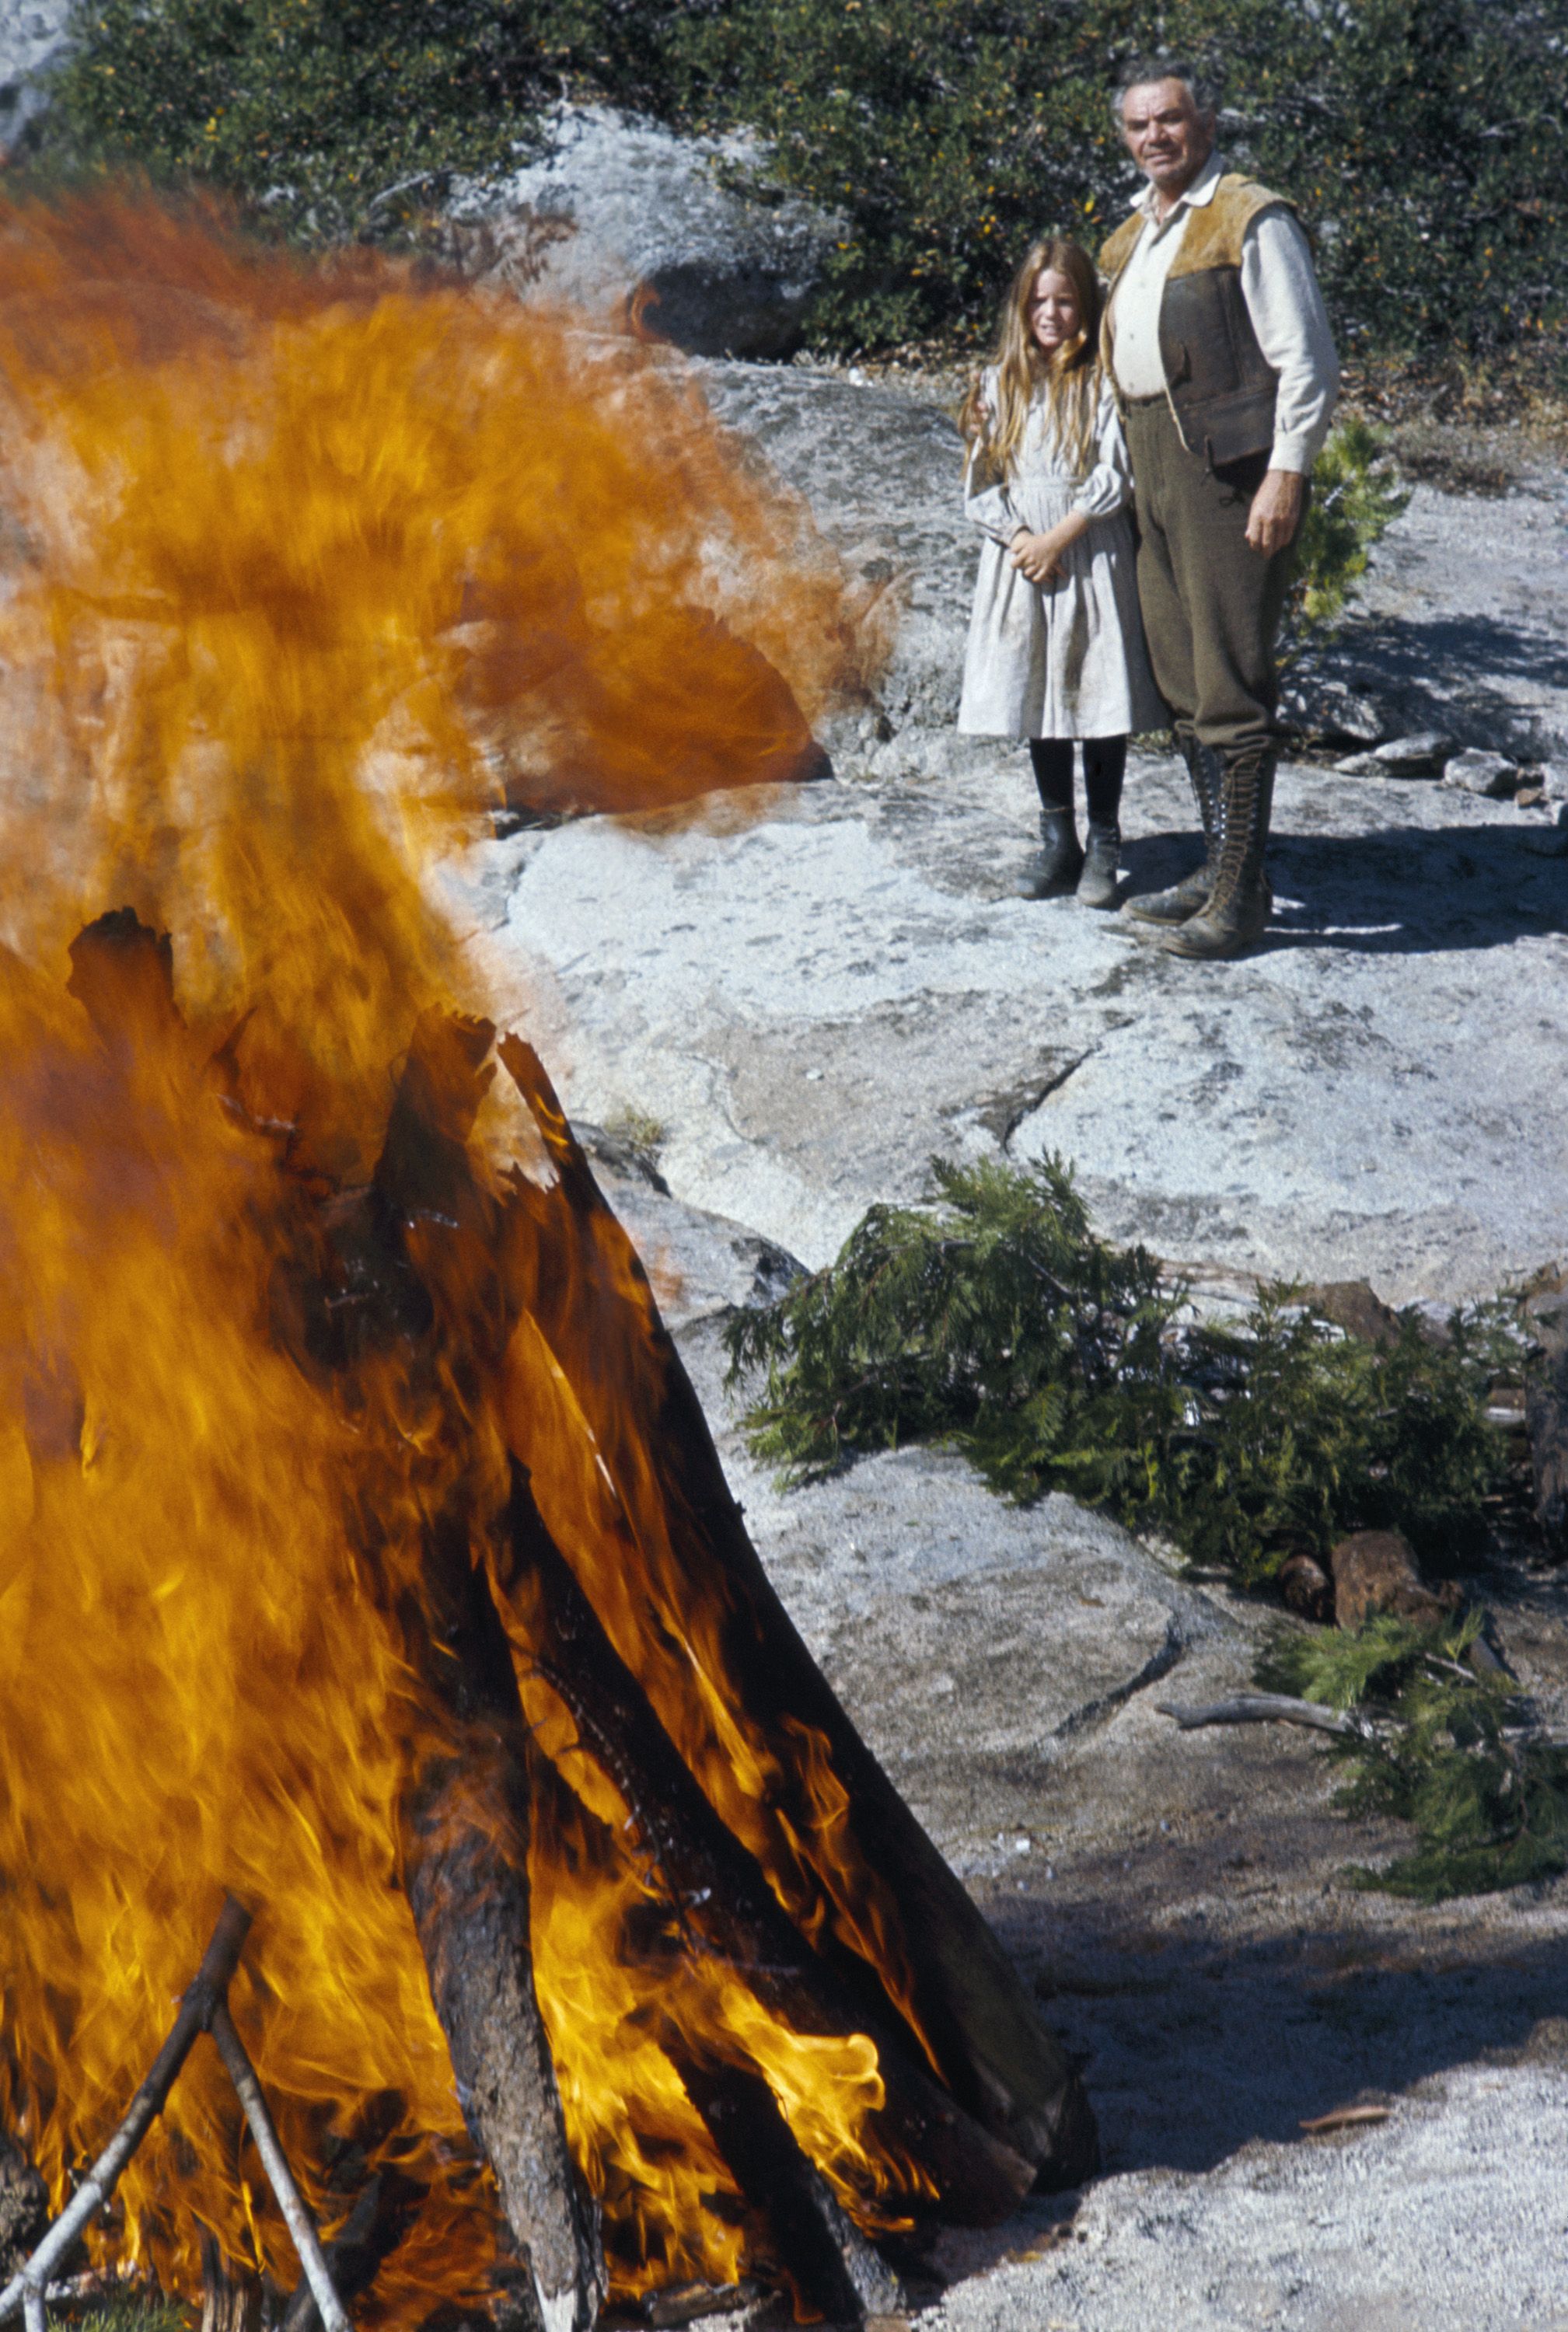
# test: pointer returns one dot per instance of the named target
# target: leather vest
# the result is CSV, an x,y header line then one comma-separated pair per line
x,y
1220,386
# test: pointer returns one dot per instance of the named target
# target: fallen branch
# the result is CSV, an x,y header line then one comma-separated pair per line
x,y
1270,1708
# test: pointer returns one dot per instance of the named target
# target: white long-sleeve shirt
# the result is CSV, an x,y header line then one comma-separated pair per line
x,y
1279,286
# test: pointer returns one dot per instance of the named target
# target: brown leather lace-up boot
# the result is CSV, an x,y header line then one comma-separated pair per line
x,y
1184,898
1241,902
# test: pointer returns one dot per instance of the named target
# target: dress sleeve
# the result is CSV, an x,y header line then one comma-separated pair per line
x,y
1109,484
989,506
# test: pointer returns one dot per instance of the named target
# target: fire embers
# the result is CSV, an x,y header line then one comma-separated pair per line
x,y
377,1543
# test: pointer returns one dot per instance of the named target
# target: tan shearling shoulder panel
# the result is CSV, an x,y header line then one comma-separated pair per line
x,y
1214,231
1117,249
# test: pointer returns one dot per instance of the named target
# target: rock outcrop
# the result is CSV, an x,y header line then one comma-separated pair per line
x,y
618,210
32,37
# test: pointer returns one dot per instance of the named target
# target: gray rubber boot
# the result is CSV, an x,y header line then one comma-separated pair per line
x,y
1241,902
1059,861
1184,898
1097,884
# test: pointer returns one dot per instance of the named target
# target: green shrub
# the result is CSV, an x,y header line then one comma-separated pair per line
x,y
1451,1751
341,118
1356,496
1424,140
995,1321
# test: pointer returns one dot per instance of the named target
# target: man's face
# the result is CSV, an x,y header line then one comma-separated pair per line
x,y
1167,137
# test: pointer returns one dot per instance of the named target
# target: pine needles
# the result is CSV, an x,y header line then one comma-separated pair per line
x,y
995,1321
1451,1751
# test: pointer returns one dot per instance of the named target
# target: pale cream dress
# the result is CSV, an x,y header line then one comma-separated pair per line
x,y
1067,659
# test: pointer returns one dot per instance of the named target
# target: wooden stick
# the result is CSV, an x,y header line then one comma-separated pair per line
x,y
290,2202
203,1996
1270,1708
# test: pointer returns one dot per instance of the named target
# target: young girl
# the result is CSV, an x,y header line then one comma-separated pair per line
x,y
1056,646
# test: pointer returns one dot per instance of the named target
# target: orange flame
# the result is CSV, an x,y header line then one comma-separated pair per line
x,y
301,569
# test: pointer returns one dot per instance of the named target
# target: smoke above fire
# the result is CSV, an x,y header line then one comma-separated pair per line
x,y
303,569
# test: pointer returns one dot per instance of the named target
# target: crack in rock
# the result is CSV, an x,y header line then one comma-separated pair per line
x,y
1095,1713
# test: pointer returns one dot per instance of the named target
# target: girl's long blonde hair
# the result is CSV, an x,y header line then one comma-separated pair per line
x,y
994,426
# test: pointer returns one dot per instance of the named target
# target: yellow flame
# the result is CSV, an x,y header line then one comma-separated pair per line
x,y
301,569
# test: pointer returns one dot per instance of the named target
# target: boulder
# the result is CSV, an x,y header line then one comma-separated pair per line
x,y
1550,840
32,37
1418,756
617,209
1360,765
1330,707
1480,772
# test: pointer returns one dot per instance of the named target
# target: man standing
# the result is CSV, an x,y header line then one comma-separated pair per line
x,y
1224,368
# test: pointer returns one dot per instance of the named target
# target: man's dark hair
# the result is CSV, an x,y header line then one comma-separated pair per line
x,y
1143,69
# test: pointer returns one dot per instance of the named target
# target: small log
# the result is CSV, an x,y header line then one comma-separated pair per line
x,y
836,2272
965,2002
1269,1708
466,1820
718,1893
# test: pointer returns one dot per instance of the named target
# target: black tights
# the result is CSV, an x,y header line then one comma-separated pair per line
x,y
1104,761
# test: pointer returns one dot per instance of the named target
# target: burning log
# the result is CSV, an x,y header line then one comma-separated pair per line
x,y
961,1998
466,1827
787,1941
836,2272
373,2230
718,1896
230,2302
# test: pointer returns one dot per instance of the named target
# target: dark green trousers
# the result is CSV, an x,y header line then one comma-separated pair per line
x,y
1212,604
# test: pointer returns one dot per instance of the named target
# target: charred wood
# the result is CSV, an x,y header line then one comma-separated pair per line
x,y
23,2206
371,2232
720,1899
965,2002
835,2270
414,1251
230,2299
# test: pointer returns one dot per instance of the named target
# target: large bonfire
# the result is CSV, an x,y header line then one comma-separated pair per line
x,y
364,1553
